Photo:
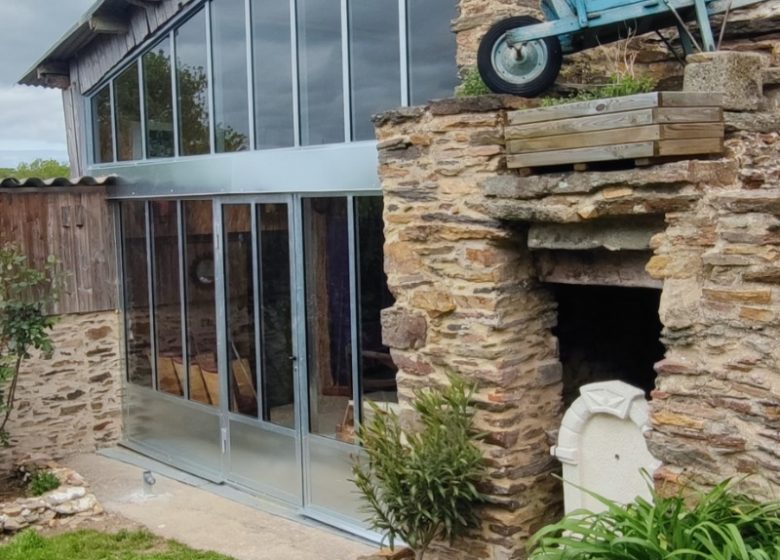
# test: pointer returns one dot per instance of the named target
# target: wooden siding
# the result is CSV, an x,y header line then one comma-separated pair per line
x,y
105,52
77,227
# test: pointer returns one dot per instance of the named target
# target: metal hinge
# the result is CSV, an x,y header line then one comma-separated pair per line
x,y
224,440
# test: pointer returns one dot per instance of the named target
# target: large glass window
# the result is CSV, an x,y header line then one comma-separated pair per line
x,y
272,58
201,302
128,115
167,297
158,101
320,72
328,315
433,72
231,104
377,370
102,135
276,315
375,60
136,292
193,85
240,292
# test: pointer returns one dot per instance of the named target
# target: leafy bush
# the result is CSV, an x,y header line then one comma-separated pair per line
x,y
618,86
472,84
422,485
41,482
25,293
722,525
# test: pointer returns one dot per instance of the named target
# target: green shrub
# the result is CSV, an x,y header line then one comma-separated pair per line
x,y
41,482
472,84
721,525
618,86
422,485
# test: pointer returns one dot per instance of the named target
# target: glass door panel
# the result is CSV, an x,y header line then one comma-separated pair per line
x,y
264,447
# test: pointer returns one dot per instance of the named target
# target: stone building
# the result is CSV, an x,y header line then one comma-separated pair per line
x,y
254,311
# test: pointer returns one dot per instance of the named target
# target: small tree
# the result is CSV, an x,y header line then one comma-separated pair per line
x,y
422,485
25,294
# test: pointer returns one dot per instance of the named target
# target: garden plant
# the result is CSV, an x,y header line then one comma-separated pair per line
x,y
25,295
420,485
721,524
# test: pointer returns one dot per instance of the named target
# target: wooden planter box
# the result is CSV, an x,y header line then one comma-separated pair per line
x,y
639,127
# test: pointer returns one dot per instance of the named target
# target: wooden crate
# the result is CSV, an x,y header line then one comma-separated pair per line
x,y
639,127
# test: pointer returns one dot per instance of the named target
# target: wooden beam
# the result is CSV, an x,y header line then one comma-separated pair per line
x,y
55,74
596,268
109,26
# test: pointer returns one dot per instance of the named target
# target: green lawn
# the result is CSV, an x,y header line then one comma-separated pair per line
x,y
92,545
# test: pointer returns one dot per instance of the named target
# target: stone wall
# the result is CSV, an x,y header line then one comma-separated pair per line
x,y
468,298
71,402
467,302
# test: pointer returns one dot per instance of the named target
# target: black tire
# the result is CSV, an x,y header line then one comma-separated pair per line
x,y
544,66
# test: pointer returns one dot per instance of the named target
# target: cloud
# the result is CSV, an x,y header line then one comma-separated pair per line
x,y
31,119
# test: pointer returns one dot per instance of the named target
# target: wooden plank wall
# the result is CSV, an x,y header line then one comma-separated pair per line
x,y
77,227
105,52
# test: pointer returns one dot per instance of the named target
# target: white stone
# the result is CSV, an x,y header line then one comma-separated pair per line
x,y
81,505
602,447
66,494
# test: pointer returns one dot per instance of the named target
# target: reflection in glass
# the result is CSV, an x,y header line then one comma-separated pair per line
x,y
275,290
433,73
272,58
102,136
377,369
192,83
167,296
328,321
201,308
158,101
231,110
375,72
136,290
239,287
128,115
320,72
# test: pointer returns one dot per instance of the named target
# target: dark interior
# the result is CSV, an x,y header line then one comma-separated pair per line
x,y
607,333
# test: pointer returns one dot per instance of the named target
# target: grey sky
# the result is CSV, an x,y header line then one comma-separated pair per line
x,y
31,120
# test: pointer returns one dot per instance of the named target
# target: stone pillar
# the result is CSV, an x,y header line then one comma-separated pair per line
x,y
716,410
467,301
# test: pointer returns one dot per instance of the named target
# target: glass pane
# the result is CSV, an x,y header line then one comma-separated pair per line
x,y
433,73
239,285
328,321
201,308
231,105
167,296
271,45
136,286
278,387
128,115
320,71
102,136
266,461
375,60
376,366
192,83
158,101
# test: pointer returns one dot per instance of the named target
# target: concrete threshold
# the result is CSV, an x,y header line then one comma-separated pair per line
x,y
210,516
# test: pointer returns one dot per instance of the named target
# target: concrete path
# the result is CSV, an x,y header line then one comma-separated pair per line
x,y
203,520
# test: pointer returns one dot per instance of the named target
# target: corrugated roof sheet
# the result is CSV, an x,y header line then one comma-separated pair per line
x,y
35,182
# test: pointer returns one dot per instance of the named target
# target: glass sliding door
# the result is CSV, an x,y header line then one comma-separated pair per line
x,y
344,290
264,444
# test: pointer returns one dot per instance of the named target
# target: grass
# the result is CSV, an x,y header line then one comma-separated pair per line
x,y
93,545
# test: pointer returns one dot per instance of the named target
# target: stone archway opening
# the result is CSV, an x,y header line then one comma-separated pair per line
x,y
607,333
